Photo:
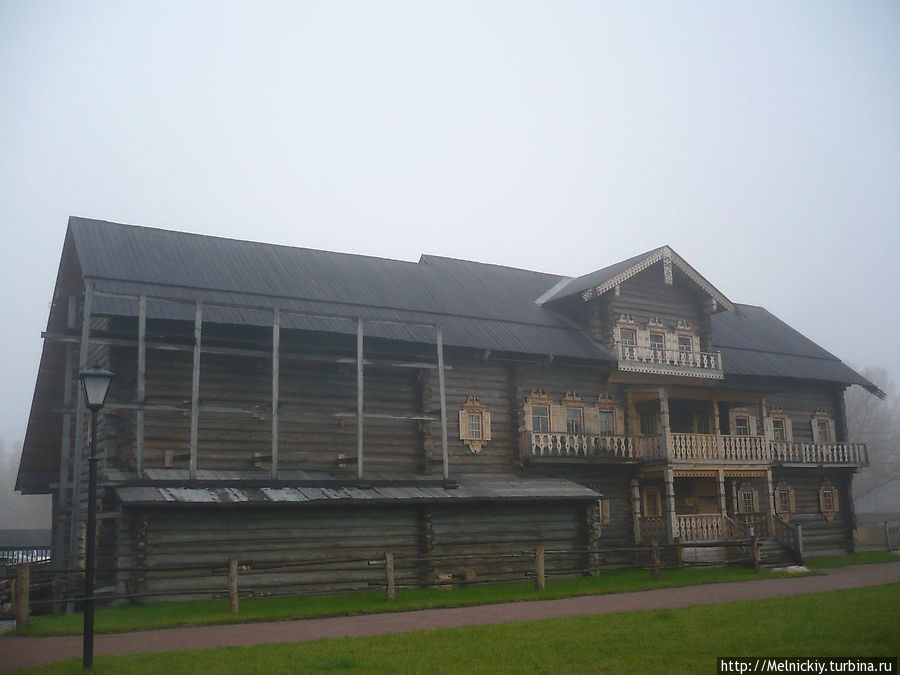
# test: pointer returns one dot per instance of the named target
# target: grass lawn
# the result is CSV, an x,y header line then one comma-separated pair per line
x,y
858,622
863,557
195,613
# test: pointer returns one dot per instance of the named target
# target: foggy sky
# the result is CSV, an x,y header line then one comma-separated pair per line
x,y
760,140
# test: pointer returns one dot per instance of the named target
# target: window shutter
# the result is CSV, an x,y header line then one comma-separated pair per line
x,y
620,421
463,425
821,500
832,436
557,419
837,506
788,429
791,499
755,494
752,425
486,425
591,420
529,420
815,431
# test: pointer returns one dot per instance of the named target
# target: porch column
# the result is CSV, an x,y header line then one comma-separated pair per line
x,y
670,505
636,508
664,420
770,490
717,429
721,491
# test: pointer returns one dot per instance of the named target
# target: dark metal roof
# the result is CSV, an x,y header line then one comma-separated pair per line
x,y
487,488
479,305
24,538
759,343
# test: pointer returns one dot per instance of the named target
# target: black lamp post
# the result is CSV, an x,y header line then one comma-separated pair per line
x,y
95,384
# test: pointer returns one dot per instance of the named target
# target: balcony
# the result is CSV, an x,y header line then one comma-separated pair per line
x,y
820,454
693,449
595,446
670,362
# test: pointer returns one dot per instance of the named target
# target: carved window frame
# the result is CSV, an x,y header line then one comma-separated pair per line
x,y
741,411
573,402
744,495
829,500
784,501
819,419
778,415
651,496
473,407
538,397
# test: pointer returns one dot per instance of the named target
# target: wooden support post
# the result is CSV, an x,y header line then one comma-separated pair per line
x,y
636,508
654,559
664,419
141,383
679,552
756,551
800,546
390,589
23,587
359,398
195,387
723,498
540,580
78,450
717,428
887,537
233,585
276,374
671,518
445,460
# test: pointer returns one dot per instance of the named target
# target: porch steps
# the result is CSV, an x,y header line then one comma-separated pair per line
x,y
774,554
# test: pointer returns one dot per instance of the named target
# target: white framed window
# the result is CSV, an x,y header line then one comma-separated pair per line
x,y
540,418
741,425
742,421
823,427
779,430
574,420
628,337
606,422
685,344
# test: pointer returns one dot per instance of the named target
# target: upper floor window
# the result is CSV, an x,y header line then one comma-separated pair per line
x,y
628,336
823,427
474,424
574,420
648,424
779,433
685,344
657,341
540,418
607,422
741,425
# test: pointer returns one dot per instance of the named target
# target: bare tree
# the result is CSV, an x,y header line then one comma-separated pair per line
x,y
877,424
17,511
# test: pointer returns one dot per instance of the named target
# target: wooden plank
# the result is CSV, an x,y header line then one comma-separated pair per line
x,y
141,383
195,386
445,461
276,361
359,398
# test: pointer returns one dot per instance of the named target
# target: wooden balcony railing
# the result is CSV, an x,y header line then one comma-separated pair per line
x,y
856,454
670,361
693,447
710,448
595,446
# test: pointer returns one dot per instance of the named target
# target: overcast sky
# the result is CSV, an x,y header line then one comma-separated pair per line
x,y
761,140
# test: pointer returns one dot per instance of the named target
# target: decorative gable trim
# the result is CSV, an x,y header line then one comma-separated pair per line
x,y
669,258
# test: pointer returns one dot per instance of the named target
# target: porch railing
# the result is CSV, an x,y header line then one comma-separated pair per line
x,y
700,527
595,446
653,527
786,534
819,453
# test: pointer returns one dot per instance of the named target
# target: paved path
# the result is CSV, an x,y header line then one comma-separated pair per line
x,y
21,652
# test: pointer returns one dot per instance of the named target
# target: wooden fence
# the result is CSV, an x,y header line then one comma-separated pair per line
x,y
233,578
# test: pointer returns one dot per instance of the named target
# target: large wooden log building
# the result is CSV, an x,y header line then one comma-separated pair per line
x,y
287,405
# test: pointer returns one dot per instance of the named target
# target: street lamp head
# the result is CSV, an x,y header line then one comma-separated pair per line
x,y
95,383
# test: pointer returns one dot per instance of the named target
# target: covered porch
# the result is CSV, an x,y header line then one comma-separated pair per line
x,y
703,505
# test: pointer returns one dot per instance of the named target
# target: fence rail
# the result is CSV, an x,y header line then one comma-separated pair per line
x,y
27,589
